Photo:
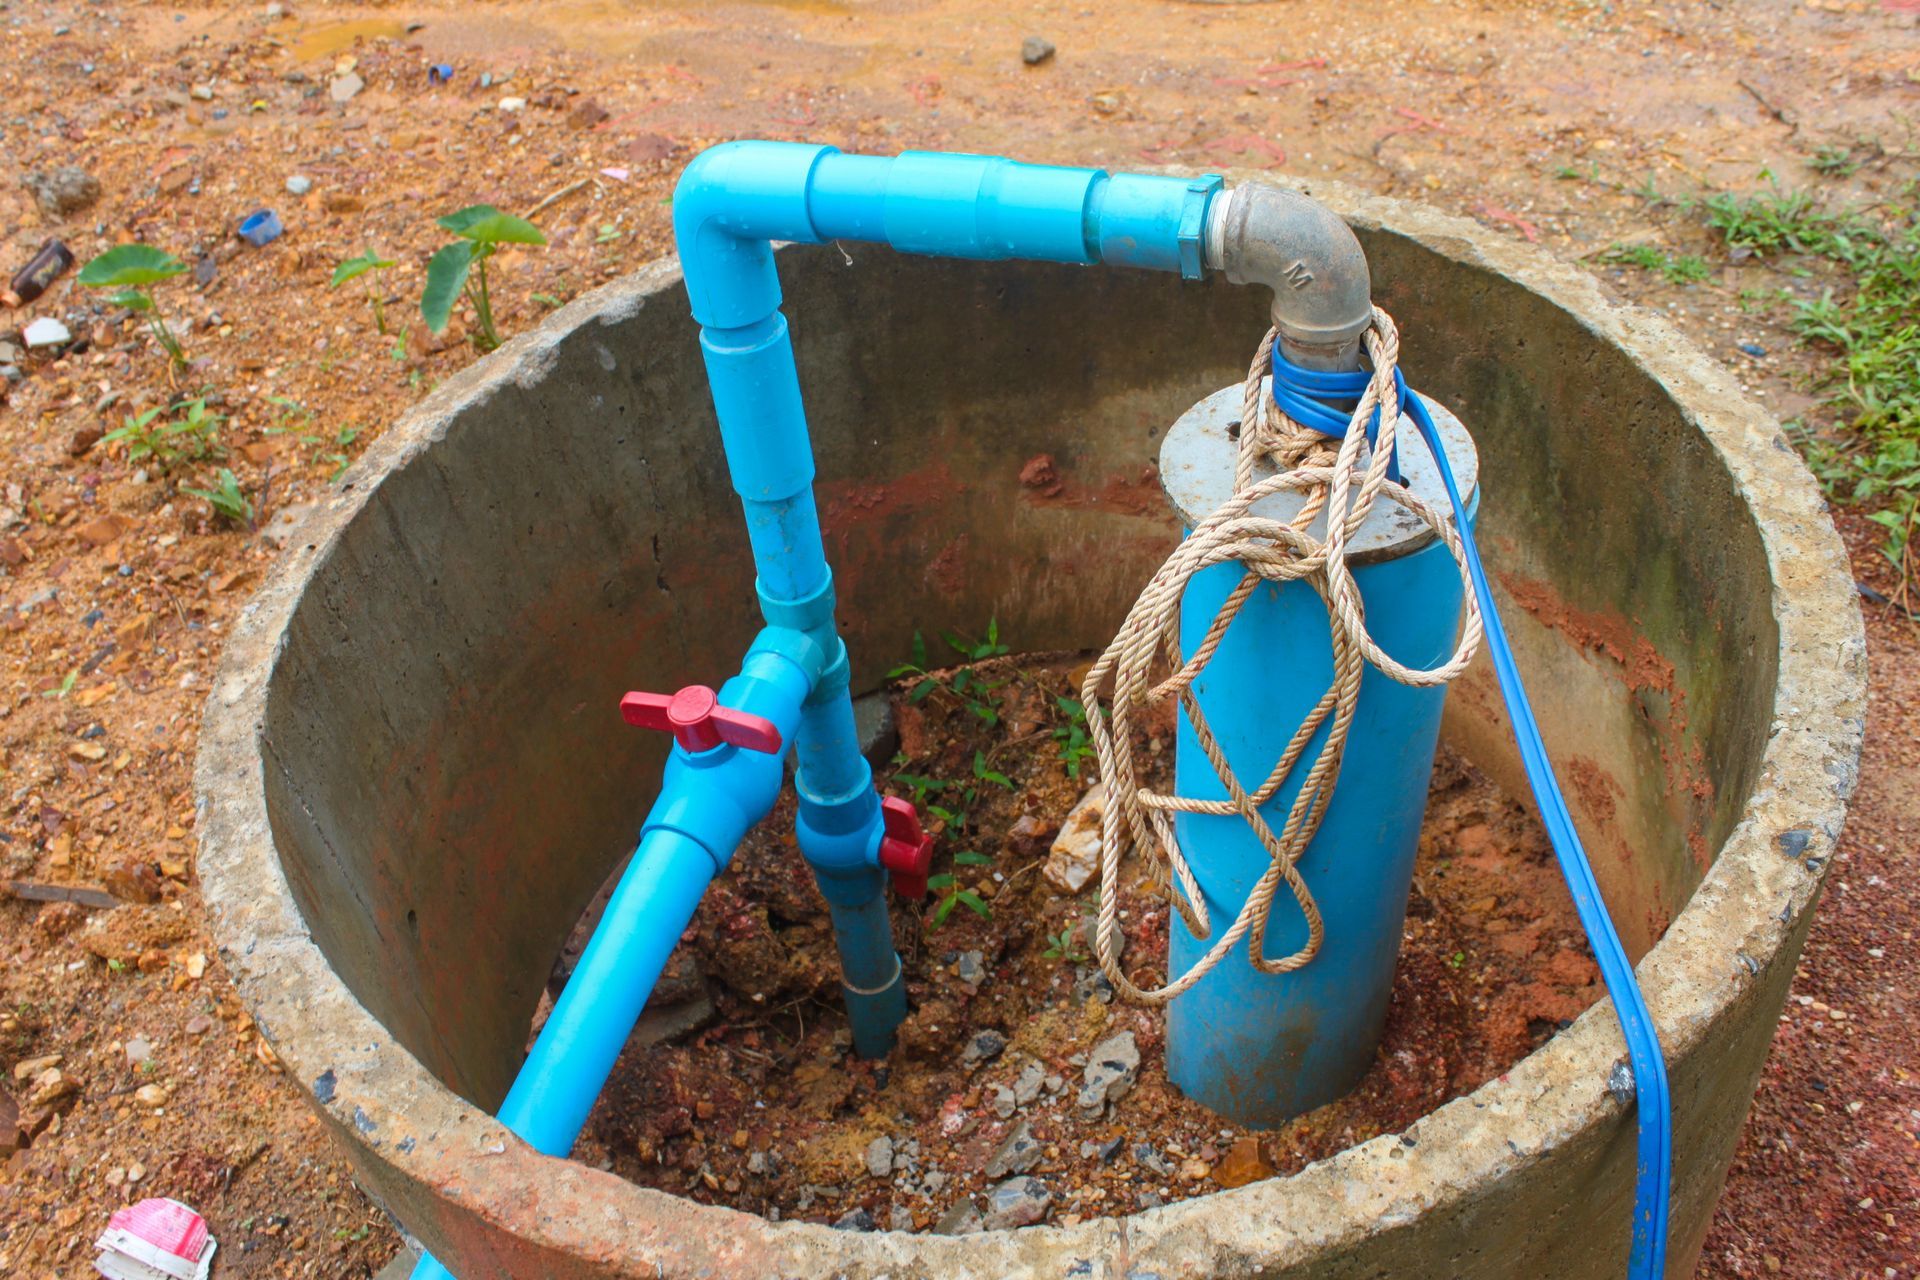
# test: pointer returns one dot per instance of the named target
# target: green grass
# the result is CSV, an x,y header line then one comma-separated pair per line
x,y
1868,449
1687,268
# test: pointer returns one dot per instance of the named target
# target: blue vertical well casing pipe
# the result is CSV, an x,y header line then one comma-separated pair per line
x,y
1260,1048
707,802
731,202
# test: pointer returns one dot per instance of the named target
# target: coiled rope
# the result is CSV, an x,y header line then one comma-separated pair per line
x,y
1323,469
1292,425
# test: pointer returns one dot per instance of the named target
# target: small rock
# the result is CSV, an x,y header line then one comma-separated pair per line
x,y
1149,1158
62,192
900,1218
1004,1104
1035,50
28,1068
1111,1069
520,104
202,93
1018,1153
1243,1164
856,1219
344,88
1149,1200
1075,856
299,184
1194,1170
971,968
136,1171
984,1047
199,1024
84,439
1091,983
962,1219
151,1095
880,1157
1017,1202
133,880
586,115
139,1049
46,332
1032,1078
1104,1152
759,1164
51,1086
1031,835
1106,102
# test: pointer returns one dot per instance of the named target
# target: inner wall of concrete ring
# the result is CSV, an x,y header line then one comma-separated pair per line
x,y
414,775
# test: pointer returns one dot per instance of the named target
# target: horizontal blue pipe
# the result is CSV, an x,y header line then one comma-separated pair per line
x,y
707,802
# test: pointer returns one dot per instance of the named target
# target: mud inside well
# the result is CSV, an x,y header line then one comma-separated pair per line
x,y
741,1089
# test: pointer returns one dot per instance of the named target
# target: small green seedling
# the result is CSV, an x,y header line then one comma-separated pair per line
x,y
190,434
461,267
983,774
1065,945
952,895
65,687
926,684
226,500
133,269
978,650
370,265
1071,739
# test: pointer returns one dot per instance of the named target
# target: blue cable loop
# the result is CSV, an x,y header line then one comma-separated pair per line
x,y
1298,391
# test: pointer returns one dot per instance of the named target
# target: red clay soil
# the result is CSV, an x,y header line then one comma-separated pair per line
x,y
1833,1144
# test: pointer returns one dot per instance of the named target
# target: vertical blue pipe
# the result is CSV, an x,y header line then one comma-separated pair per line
x,y
1260,1048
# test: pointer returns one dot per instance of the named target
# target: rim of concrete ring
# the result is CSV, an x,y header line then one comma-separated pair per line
x,y
1749,904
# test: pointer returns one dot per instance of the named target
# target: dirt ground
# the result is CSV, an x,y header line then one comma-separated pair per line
x,y
764,1110
1545,120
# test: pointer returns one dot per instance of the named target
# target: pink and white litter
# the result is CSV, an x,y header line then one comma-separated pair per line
x,y
155,1240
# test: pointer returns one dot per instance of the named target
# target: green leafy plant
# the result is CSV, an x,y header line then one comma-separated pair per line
x,y
190,433
1685,269
65,687
461,267
369,265
1833,162
226,499
1065,945
133,269
953,895
1071,739
982,773
925,684
977,650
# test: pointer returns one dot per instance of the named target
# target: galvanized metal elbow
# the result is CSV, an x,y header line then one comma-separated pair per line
x,y
1309,257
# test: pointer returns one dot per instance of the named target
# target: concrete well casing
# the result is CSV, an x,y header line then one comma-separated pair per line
x,y
413,775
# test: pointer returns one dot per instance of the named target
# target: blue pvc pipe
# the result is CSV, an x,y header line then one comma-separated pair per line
x,y
706,804
731,202
1260,1048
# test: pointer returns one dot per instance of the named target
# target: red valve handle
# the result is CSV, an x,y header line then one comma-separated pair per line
x,y
698,722
905,850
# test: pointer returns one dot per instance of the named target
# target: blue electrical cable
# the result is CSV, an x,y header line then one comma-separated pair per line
x,y
1300,393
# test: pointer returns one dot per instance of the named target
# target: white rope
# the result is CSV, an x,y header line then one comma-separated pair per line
x,y
1324,470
